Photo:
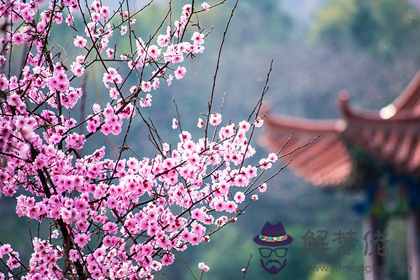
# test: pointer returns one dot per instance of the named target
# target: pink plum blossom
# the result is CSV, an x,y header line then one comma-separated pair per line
x,y
80,42
215,119
197,38
205,6
174,123
180,72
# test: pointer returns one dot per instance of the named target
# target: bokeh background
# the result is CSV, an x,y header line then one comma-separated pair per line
x,y
371,48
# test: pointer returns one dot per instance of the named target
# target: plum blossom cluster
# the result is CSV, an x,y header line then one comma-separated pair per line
x,y
203,266
202,178
119,218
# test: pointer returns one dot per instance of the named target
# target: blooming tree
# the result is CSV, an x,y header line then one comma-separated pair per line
x,y
121,218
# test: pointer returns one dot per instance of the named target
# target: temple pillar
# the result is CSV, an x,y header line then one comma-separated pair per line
x,y
375,261
413,244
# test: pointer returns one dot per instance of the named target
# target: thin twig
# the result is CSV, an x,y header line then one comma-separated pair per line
x,y
246,268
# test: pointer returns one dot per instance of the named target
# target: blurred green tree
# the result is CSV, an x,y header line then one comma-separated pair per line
x,y
383,27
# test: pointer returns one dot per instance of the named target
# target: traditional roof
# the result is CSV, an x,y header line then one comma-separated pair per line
x,y
389,137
